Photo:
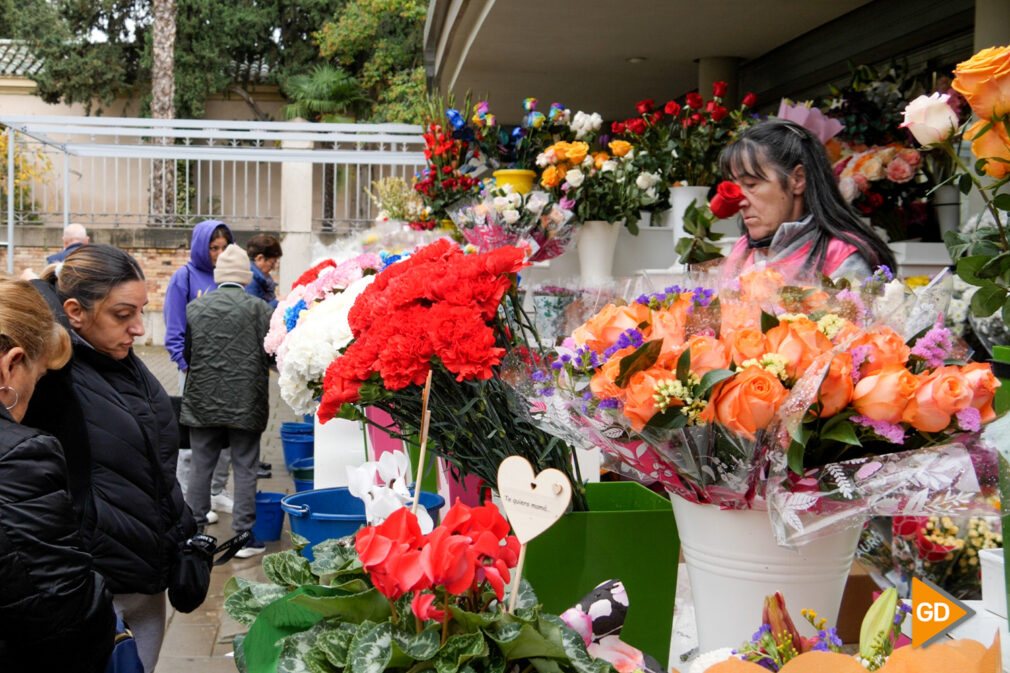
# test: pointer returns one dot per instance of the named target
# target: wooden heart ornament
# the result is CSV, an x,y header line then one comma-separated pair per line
x,y
532,502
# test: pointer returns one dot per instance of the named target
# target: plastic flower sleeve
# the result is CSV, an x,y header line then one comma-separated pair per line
x,y
957,478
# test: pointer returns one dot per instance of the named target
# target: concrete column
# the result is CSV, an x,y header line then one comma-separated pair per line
x,y
719,69
296,217
992,24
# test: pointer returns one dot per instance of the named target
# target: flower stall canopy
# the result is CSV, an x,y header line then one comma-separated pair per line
x,y
649,48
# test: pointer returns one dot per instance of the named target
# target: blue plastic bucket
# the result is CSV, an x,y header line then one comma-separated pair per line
x,y
269,516
308,418
303,468
334,512
296,447
297,429
302,485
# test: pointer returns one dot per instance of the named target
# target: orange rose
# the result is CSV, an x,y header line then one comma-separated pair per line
x,y
707,353
739,315
884,347
748,401
599,158
747,344
799,342
577,152
605,328
814,301
983,385
993,144
836,388
602,384
560,150
884,395
552,177
639,404
984,81
619,147
941,394
760,284
668,324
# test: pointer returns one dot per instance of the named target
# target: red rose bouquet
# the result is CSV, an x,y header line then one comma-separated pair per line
x,y
455,316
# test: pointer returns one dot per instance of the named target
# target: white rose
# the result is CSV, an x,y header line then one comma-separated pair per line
x,y
500,203
849,189
543,159
514,200
646,180
511,216
608,165
574,177
930,119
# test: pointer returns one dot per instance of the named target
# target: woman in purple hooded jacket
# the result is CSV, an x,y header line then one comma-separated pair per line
x,y
209,240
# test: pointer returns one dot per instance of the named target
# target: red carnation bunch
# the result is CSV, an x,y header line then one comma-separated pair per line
x,y
438,303
471,546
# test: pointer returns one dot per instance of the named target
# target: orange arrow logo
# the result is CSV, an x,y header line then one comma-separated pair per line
x,y
934,611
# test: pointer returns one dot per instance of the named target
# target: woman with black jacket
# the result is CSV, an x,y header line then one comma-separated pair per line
x,y
55,613
106,405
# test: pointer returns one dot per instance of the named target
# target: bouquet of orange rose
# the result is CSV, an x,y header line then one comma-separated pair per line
x,y
764,391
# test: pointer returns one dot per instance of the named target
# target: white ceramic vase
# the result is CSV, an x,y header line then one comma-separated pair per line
x,y
733,563
947,204
596,242
339,444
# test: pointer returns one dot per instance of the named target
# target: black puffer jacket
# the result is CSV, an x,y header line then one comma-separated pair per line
x,y
55,613
120,417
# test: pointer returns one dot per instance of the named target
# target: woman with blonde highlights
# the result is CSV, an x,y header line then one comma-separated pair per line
x,y
55,613
109,410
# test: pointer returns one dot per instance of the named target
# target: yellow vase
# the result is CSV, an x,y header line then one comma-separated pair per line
x,y
521,179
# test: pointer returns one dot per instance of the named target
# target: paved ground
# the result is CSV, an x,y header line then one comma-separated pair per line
x,y
201,641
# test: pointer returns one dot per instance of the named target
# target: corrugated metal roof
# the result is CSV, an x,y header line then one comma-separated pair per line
x,y
17,60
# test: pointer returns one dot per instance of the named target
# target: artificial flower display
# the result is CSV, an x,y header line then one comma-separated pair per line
x,y
456,317
497,146
502,216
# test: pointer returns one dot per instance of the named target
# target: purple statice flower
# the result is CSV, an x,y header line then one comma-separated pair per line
x,y
557,365
702,297
859,356
610,403
566,358
969,419
882,274
935,345
588,395
892,432
546,391
821,646
538,376
856,302
629,337
643,299
830,637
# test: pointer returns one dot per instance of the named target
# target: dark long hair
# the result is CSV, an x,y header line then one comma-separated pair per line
x,y
782,146
91,271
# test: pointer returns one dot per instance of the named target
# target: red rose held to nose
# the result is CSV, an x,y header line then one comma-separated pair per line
x,y
726,202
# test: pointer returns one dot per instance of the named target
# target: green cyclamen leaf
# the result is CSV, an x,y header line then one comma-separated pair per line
x,y
642,358
331,556
336,642
458,650
245,604
424,645
371,648
287,568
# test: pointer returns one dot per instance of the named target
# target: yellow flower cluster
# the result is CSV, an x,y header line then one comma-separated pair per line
x,y
831,324
671,390
772,362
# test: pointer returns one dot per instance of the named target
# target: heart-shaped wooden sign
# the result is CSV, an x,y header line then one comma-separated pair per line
x,y
532,502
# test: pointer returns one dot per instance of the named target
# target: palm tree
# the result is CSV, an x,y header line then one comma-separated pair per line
x,y
163,105
327,94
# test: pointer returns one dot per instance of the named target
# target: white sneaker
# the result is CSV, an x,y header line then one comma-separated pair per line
x,y
221,502
212,517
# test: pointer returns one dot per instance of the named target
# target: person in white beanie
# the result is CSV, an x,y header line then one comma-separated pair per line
x,y
226,402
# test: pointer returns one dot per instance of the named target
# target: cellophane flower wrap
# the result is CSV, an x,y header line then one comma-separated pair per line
x,y
309,327
455,316
501,216
893,420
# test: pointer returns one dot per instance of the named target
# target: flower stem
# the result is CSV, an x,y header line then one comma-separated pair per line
x,y
445,618
949,149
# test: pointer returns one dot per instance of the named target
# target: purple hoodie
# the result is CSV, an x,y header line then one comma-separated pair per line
x,y
186,284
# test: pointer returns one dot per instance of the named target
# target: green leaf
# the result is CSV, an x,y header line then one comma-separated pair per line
x,y
458,650
298,542
794,457
996,267
288,568
670,418
245,604
316,661
768,321
371,648
967,268
356,608
842,432
294,648
278,620
334,555
530,643
964,184
1002,201
710,379
506,633
423,645
988,299
336,642
641,359
545,665
684,366
575,648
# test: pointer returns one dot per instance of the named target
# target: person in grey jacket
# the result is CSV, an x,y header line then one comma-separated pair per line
x,y
226,400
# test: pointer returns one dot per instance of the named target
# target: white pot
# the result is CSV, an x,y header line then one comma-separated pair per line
x,y
339,444
947,204
596,242
733,563
680,198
